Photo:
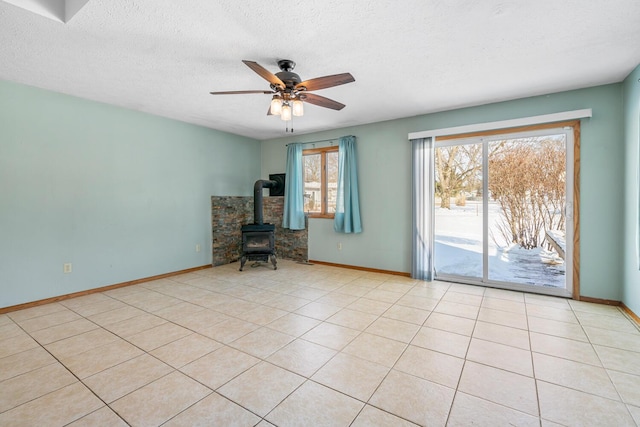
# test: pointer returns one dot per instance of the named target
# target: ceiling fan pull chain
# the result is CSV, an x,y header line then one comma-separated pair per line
x,y
286,130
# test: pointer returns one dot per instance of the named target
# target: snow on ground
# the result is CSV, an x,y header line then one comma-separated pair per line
x,y
458,250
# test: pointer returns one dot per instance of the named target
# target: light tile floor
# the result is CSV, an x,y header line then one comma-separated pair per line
x,y
317,345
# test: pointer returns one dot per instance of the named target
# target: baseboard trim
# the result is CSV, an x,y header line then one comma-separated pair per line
x,y
355,267
630,313
101,289
620,304
599,301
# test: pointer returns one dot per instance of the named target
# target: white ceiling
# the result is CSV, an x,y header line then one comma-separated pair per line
x,y
408,57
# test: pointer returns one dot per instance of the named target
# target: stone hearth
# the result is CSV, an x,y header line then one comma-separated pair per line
x,y
229,213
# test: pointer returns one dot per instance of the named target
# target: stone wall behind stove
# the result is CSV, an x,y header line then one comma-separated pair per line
x,y
229,213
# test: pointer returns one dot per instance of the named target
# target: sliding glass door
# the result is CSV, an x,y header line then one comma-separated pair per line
x,y
502,212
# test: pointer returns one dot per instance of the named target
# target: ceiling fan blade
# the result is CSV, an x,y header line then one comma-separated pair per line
x,y
321,101
269,111
264,73
241,92
326,81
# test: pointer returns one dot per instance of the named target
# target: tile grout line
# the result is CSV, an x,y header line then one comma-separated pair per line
x,y
615,387
464,363
78,380
533,365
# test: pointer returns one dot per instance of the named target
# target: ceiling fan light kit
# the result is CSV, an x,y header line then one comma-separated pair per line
x,y
276,105
298,108
289,91
285,114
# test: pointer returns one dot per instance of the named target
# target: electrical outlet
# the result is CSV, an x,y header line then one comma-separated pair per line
x,y
197,248
340,246
66,268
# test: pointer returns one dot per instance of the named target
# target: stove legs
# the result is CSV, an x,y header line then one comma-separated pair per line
x,y
260,257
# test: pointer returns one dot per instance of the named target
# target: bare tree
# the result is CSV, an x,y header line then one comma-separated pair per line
x,y
526,178
458,169
312,165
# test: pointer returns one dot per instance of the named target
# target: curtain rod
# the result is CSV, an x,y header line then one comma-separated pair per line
x,y
313,142
318,141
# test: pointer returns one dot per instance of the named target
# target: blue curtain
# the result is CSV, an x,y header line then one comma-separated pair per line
x,y
347,216
293,217
422,208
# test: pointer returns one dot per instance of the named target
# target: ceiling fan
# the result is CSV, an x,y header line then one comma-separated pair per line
x,y
289,91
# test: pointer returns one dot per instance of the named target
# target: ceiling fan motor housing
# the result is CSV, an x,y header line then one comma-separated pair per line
x,y
288,77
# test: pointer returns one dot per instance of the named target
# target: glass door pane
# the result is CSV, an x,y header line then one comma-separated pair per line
x,y
526,210
458,219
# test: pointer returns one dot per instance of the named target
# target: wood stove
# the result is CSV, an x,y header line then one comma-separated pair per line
x,y
258,239
258,244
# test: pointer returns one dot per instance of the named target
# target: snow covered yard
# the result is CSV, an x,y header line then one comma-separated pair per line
x,y
458,250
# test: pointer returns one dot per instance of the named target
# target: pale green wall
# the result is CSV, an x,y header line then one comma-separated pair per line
x,y
384,174
631,288
124,195
120,194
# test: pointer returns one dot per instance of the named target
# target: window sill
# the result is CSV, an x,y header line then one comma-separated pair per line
x,y
315,215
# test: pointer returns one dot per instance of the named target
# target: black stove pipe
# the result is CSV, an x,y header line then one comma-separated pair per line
x,y
257,198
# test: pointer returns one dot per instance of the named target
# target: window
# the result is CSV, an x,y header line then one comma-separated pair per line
x,y
320,181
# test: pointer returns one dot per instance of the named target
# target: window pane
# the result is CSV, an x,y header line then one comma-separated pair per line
x,y
527,204
312,185
459,216
332,180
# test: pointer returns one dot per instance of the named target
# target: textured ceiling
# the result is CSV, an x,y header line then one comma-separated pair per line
x,y
408,57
